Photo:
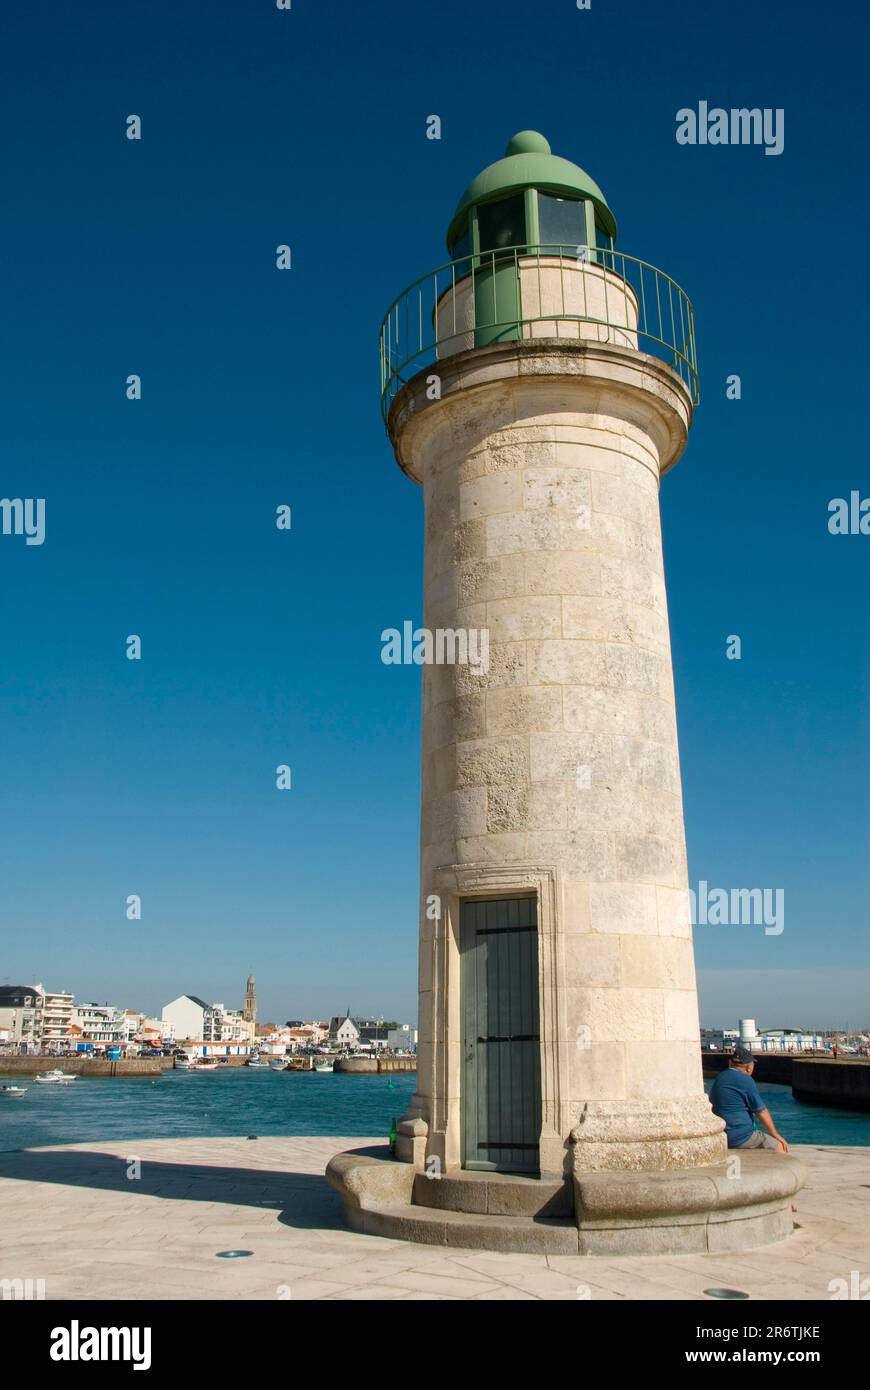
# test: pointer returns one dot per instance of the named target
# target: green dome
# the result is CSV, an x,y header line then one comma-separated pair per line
x,y
528,142
529,163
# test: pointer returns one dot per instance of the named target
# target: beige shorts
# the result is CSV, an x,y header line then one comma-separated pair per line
x,y
759,1140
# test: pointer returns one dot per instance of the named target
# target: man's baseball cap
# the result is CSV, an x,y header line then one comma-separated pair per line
x,y
742,1056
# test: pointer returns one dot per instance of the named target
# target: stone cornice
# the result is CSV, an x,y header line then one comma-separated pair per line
x,y
599,376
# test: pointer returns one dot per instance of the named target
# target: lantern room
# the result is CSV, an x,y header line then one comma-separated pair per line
x,y
535,200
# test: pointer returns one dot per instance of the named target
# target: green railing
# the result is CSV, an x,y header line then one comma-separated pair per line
x,y
499,296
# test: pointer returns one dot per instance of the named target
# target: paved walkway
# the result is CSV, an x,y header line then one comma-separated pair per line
x,y
72,1217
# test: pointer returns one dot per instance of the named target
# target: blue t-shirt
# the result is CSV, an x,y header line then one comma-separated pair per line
x,y
735,1097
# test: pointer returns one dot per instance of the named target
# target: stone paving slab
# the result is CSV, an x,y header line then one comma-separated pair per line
x,y
69,1215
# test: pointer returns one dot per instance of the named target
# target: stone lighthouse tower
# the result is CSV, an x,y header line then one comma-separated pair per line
x,y
537,388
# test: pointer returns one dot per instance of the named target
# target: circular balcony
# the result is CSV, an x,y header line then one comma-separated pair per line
x,y
522,292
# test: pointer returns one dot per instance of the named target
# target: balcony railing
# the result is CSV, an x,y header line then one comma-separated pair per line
x,y
526,292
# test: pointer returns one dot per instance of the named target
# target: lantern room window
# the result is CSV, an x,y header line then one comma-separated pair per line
x,y
461,246
562,224
604,242
502,223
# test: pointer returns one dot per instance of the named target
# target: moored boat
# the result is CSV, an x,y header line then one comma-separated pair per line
x,y
13,1092
55,1077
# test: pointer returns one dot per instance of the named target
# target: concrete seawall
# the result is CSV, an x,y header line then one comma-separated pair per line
x,y
371,1065
84,1066
840,1083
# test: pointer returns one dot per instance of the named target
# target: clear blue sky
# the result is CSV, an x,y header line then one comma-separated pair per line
x,y
260,647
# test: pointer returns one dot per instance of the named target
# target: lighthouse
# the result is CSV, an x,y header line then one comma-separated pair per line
x,y
537,387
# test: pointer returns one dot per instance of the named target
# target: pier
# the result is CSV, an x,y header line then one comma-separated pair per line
x,y
375,1064
157,1237
85,1066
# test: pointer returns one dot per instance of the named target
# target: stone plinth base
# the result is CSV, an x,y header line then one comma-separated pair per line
x,y
734,1205
618,1137
742,1202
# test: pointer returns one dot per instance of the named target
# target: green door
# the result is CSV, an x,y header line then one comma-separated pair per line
x,y
501,1070
496,301
501,230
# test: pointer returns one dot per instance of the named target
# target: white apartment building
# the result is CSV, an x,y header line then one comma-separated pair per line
x,y
230,1025
54,1016
189,1017
101,1024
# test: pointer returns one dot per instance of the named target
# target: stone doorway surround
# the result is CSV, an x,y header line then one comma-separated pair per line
x,y
440,964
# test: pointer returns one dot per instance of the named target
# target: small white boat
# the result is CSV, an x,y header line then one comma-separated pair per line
x,y
183,1064
255,1062
13,1092
55,1078
323,1066
207,1064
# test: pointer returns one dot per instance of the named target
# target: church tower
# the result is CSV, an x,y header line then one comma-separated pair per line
x,y
250,1009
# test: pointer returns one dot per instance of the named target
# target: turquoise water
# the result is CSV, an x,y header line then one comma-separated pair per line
x,y
181,1104
250,1101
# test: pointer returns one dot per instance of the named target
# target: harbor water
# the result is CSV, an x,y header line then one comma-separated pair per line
x,y
227,1101
233,1101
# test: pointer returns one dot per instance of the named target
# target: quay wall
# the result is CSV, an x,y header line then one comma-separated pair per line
x,y
840,1083
362,1065
85,1066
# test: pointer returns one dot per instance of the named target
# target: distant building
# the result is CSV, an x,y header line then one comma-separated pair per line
x,y
718,1039
54,1016
372,1034
36,1018
250,1009
787,1040
402,1038
18,1017
100,1024
344,1031
761,1040
153,1032
190,1017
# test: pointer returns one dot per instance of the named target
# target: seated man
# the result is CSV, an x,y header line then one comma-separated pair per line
x,y
735,1098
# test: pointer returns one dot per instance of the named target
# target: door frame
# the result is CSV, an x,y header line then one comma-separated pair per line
x,y
476,1164
440,963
